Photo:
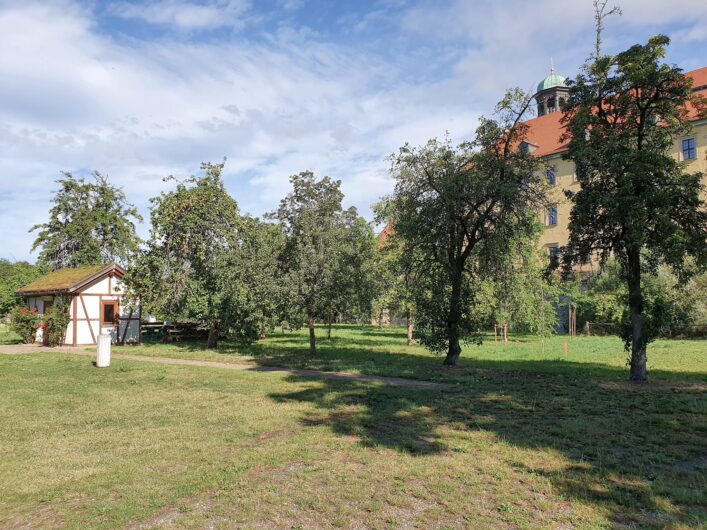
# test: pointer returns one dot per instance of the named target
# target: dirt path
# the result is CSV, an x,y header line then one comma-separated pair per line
x,y
343,376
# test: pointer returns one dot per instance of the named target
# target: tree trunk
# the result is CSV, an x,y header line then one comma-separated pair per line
x,y
212,341
639,371
328,331
453,321
312,339
408,322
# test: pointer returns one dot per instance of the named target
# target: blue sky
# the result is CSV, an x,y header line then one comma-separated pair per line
x,y
142,90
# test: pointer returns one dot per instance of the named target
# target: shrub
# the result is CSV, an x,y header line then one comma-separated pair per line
x,y
55,322
25,321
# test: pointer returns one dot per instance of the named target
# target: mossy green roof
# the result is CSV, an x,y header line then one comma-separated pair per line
x,y
61,280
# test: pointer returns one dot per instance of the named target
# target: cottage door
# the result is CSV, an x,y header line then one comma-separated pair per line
x,y
109,319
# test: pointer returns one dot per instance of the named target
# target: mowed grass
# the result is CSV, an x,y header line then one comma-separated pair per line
x,y
8,336
383,351
524,440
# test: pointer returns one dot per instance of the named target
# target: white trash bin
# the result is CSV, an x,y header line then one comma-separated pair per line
x,y
103,350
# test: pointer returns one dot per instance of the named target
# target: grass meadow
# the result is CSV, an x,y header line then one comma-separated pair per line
x,y
523,439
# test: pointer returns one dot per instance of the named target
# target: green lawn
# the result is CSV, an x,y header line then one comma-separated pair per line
x,y
525,440
375,351
7,336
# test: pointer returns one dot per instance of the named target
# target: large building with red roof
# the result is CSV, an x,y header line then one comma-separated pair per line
x,y
544,139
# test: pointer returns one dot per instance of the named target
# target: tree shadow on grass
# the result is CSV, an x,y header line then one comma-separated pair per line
x,y
636,451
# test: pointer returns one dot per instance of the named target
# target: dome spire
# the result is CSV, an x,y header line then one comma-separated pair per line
x,y
552,66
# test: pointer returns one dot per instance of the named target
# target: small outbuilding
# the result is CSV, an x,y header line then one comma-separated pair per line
x,y
94,295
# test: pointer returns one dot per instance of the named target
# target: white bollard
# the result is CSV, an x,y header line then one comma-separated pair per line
x,y
103,350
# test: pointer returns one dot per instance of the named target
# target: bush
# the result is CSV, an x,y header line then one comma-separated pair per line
x,y
54,325
25,321
670,308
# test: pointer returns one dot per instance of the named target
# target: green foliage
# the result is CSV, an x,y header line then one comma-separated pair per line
x,y
55,322
254,266
205,262
518,292
394,274
353,285
670,308
24,321
624,113
12,277
90,223
326,263
459,211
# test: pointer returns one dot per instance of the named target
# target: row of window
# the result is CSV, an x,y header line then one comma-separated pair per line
x,y
689,152
553,254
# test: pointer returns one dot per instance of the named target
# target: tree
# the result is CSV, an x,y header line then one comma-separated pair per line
x,y
311,218
352,287
623,114
395,276
518,292
90,223
12,277
457,210
259,252
195,264
670,307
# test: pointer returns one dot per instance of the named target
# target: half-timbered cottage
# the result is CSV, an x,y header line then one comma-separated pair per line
x,y
94,295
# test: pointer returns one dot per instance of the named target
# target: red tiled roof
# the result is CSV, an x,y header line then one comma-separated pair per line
x,y
384,235
545,131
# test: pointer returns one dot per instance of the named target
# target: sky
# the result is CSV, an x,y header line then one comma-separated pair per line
x,y
143,90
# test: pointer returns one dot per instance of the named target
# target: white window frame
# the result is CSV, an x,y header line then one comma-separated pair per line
x,y
682,149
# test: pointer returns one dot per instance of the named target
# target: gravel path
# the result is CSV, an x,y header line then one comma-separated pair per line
x,y
343,376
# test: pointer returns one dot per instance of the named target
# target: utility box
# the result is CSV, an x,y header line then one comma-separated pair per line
x,y
103,350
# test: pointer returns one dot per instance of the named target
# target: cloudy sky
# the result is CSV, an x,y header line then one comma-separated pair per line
x,y
142,90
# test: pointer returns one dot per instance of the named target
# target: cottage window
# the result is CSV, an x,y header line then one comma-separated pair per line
x,y
109,314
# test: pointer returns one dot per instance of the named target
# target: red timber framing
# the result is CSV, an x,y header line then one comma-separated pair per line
x,y
80,311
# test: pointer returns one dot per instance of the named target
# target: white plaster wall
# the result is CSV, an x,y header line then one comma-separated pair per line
x,y
118,286
99,287
69,337
83,331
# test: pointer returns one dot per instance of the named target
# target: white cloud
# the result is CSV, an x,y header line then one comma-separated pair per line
x,y
184,15
75,98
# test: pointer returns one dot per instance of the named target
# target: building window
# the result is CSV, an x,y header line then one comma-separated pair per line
x,y
551,175
553,252
689,149
551,215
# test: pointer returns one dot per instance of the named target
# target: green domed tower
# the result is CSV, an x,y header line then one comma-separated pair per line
x,y
551,94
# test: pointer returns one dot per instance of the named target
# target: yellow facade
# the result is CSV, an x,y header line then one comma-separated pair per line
x,y
557,235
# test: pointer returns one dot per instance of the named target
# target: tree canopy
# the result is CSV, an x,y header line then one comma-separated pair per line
x,y
12,277
204,262
636,202
324,260
90,223
457,210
